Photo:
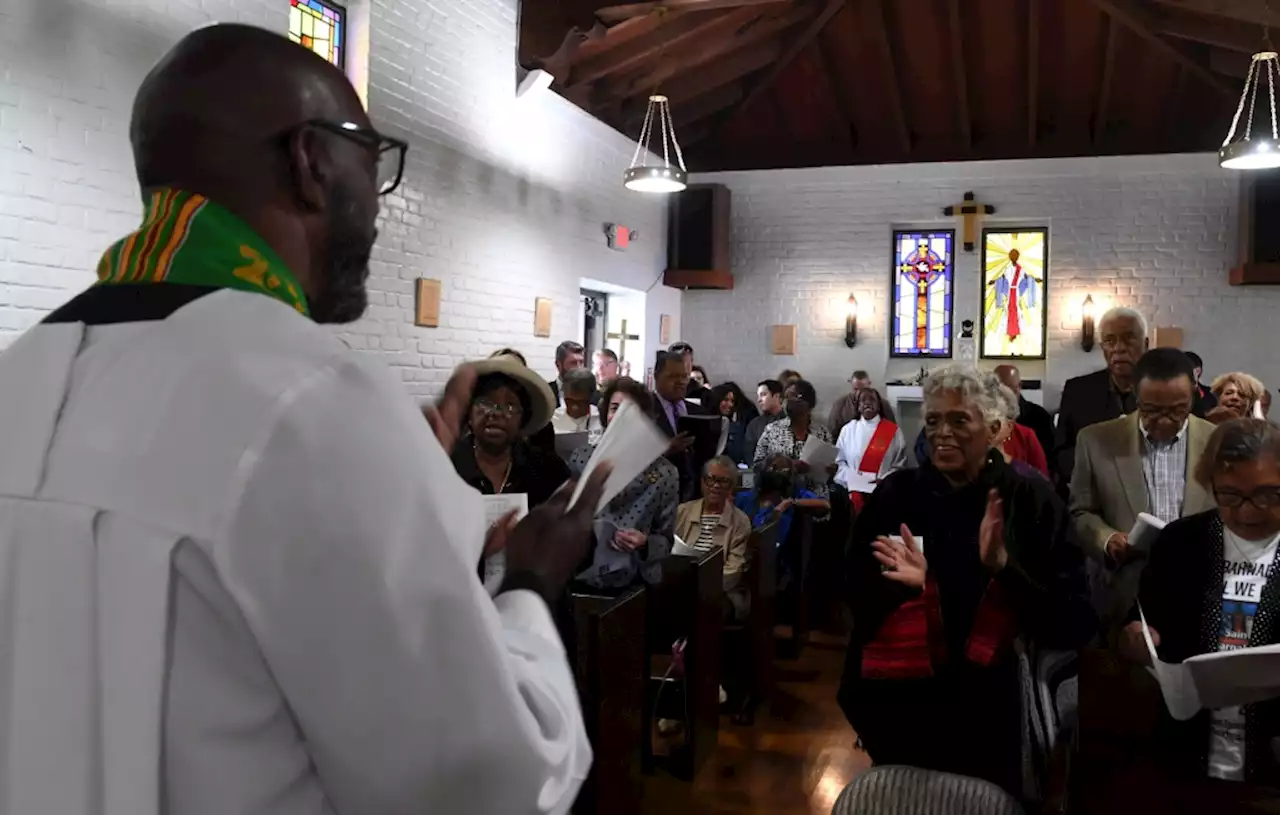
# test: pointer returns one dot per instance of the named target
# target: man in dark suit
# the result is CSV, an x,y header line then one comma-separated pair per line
x,y
569,356
1030,415
1207,400
670,380
1102,395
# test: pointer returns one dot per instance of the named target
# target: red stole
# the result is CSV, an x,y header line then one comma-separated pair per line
x,y
874,455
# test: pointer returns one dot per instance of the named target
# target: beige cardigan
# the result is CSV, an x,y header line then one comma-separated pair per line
x,y
730,534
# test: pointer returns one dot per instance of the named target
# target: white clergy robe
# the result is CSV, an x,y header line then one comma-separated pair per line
x,y
852,445
238,575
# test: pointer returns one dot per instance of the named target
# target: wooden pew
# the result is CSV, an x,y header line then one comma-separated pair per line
x,y
610,662
751,642
687,603
798,596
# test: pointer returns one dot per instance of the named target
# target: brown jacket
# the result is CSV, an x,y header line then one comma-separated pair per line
x,y
730,534
845,410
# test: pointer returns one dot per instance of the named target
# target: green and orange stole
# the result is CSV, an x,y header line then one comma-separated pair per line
x,y
186,238
873,457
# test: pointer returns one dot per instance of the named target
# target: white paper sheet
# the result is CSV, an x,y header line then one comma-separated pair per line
x,y
861,482
919,541
817,453
631,443
681,549
495,506
1216,680
1145,531
567,442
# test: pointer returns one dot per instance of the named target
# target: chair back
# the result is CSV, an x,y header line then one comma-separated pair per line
x,y
900,790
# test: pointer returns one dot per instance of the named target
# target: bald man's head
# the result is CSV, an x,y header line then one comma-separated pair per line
x,y
1010,377
277,135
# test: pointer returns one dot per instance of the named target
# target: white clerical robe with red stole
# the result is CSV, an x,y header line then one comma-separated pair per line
x,y
237,575
867,451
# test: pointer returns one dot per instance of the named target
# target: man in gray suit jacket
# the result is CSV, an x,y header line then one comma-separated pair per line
x,y
1141,462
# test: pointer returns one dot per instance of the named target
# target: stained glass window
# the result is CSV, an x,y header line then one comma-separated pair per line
x,y
922,294
1015,277
320,26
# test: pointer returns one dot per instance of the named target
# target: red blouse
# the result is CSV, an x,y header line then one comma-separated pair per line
x,y
1025,447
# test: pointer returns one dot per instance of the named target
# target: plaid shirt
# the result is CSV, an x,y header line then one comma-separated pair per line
x,y
1164,468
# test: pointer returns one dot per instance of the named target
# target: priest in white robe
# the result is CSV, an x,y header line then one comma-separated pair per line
x,y
237,569
869,448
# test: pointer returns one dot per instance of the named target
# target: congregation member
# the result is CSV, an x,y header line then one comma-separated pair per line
x,y
1105,394
635,531
949,563
670,383
788,376
870,448
239,564
604,364
777,495
694,388
788,435
1210,586
1017,443
1137,463
769,401
1030,415
1239,396
1208,401
713,522
846,409
570,356
730,403
698,378
577,413
509,404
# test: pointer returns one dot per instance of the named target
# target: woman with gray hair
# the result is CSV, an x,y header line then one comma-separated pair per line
x,y
1018,444
1210,585
949,564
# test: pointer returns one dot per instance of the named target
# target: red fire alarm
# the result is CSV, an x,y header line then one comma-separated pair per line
x,y
619,236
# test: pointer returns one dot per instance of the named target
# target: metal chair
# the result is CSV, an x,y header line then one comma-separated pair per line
x,y
900,790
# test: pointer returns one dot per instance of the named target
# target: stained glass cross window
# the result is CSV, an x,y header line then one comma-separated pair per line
x,y
922,293
320,26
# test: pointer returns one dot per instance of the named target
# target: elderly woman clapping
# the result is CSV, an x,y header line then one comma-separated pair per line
x,y
1239,397
980,557
1210,586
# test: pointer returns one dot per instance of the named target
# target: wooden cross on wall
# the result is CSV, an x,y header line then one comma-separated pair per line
x,y
970,212
622,336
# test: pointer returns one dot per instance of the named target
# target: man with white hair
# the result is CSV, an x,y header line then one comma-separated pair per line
x,y
1105,394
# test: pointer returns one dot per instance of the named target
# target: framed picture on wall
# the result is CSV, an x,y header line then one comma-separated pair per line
x,y
922,293
1015,287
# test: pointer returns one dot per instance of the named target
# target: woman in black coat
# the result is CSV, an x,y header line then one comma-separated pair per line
x,y
1211,585
931,677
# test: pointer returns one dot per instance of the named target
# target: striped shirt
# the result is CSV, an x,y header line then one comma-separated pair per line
x,y
1164,468
706,535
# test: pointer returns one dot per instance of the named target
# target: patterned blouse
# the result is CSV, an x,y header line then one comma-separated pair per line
x,y
648,504
778,439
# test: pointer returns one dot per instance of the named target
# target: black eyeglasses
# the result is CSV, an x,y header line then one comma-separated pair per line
x,y
718,480
493,408
390,152
1262,499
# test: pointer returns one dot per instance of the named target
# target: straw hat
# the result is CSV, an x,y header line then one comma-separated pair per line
x,y
541,402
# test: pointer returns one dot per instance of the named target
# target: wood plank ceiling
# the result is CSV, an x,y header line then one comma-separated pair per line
x,y
759,84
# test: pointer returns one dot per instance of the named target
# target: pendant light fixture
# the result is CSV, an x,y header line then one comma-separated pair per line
x,y
642,176
1262,151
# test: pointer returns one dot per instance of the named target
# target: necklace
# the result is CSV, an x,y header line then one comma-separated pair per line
x,y
506,475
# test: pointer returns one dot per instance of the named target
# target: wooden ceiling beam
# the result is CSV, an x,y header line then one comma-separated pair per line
x,y
844,100
797,44
676,31
1229,63
1248,12
1033,71
723,72
735,37
959,73
630,11
1101,111
1216,31
708,104
1141,22
897,111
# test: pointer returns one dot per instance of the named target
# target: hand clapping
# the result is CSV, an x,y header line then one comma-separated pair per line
x,y
902,562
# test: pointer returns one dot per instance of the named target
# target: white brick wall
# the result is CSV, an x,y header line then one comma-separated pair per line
x,y
504,201
1157,233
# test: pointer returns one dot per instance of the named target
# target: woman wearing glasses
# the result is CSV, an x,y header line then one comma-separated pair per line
x,y
1210,586
510,403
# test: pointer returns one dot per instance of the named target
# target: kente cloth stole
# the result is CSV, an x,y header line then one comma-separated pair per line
x,y
878,447
186,238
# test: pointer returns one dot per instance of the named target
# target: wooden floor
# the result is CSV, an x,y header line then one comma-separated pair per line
x,y
794,760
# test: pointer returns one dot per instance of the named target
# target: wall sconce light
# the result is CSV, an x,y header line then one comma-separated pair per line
x,y
851,323
1086,323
